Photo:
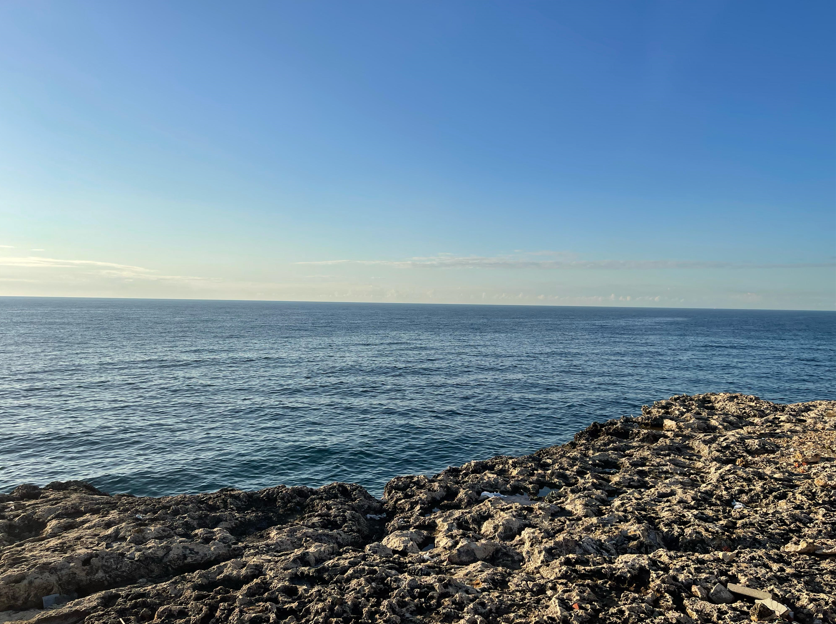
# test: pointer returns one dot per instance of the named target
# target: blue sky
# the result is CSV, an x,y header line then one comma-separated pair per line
x,y
590,153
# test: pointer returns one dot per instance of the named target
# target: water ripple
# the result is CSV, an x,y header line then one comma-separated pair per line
x,y
161,397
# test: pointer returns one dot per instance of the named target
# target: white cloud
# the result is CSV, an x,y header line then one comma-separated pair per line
x,y
566,262
105,269
40,262
329,262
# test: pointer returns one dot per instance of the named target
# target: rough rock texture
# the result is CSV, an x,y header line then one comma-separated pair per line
x,y
709,508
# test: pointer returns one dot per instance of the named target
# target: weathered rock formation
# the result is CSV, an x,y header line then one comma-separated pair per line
x,y
709,508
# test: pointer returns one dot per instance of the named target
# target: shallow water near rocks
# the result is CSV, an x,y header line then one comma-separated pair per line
x,y
163,397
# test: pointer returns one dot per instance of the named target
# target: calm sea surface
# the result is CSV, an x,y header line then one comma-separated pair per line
x,y
162,397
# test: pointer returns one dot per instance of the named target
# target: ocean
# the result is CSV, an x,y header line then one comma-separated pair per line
x,y
159,397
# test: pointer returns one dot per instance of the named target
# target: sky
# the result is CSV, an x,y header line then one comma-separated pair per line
x,y
672,154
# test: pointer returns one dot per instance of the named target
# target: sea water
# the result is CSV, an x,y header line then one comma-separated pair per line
x,y
161,397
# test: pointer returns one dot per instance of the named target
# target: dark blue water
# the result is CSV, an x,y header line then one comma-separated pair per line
x,y
160,397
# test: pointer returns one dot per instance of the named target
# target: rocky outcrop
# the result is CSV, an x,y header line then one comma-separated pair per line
x,y
709,508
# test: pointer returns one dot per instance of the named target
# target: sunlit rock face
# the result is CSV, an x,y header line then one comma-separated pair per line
x,y
709,508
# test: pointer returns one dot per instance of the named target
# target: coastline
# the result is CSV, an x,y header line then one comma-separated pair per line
x,y
646,519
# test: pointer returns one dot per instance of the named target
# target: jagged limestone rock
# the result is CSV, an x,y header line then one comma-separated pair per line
x,y
634,521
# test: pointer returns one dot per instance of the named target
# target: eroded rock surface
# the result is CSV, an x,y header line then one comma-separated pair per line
x,y
709,508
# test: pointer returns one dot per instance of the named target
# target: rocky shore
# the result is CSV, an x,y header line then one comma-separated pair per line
x,y
709,508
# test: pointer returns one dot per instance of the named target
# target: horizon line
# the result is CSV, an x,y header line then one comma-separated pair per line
x,y
424,303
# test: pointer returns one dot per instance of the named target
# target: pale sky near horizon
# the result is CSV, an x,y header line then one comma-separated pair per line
x,y
674,154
